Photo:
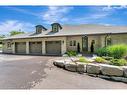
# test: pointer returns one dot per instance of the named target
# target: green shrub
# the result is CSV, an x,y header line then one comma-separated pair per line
x,y
83,59
117,51
107,57
102,51
118,62
101,60
71,53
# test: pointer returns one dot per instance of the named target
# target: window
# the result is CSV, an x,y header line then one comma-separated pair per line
x,y
73,43
55,28
70,43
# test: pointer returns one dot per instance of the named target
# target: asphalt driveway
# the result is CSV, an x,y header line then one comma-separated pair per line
x,y
21,72
38,72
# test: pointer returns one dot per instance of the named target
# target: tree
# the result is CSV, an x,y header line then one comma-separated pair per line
x,y
12,33
1,38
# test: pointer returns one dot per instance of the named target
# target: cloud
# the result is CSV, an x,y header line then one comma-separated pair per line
x,y
111,8
10,25
91,17
23,11
56,14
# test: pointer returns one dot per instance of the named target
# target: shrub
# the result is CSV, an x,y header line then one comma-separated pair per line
x,y
102,51
107,57
101,60
71,53
117,51
118,62
83,59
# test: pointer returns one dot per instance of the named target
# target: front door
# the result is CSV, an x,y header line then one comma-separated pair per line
x,y
85,44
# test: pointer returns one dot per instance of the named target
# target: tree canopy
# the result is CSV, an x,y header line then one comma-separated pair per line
x,y
2,36
12,33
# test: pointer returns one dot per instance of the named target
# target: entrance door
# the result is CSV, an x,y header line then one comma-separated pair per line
x,y
84,43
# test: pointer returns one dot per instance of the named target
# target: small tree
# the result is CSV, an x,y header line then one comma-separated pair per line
x,y
1,38
12,33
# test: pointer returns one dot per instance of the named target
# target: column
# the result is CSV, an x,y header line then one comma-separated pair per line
x,y
13,48
27,47
43,48
63,46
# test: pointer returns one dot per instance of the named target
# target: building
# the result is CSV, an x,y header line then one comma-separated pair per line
x,y
62,38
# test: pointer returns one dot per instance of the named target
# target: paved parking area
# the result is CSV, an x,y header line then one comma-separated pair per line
x,y
38,72
21,72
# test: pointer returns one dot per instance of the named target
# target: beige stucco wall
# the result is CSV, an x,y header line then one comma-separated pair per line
x,y
78,39
12,49
99,41
119,39
65,42
5,49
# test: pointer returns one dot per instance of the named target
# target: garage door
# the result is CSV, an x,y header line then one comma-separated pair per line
x,y
53,47
20,47
35,47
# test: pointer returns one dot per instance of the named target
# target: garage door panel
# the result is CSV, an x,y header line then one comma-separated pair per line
x,y
20,47
53,47
35,47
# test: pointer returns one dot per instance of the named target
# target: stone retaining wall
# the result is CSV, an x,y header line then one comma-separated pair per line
x,y
117,73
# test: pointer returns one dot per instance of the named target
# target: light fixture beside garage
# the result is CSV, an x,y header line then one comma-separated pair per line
x,y
63,42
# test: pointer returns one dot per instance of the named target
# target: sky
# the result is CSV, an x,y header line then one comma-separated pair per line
x,y
25,18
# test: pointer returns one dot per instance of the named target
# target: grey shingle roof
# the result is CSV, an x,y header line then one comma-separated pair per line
x,y
67,30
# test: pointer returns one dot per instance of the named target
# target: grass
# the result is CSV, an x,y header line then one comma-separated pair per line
x,y
118,62
101,60
83,59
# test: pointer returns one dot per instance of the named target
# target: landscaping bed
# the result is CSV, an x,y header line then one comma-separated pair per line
x,y
117,73
111,63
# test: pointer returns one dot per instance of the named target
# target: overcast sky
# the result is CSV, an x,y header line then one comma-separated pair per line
x,y
26,17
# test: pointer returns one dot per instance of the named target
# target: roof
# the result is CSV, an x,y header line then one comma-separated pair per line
x,y
68,30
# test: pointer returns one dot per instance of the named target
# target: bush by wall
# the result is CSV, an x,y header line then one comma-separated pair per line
x,y
117,51
102,51
71,53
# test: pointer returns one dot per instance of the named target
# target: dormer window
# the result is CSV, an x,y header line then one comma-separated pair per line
x,y
56,27
40,28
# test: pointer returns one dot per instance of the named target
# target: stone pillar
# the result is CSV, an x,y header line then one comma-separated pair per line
x,y
27,47
13,48
43,48
63,46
